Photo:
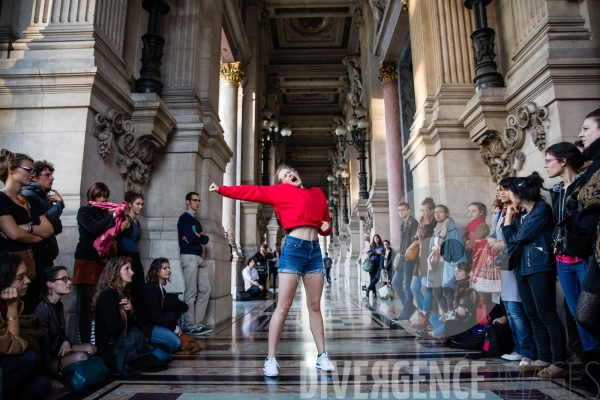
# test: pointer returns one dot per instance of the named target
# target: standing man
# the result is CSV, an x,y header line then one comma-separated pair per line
x,y
327,263
403,277
262,266
40,190
197,284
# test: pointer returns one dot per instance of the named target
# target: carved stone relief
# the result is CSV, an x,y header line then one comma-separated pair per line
x,y
367,224
352,62
264,14
358,13
136,154
498,150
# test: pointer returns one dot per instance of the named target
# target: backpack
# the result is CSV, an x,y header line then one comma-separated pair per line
x,y
243,296
498,339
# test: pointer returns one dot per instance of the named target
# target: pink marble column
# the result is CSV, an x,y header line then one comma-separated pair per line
x,y
388,74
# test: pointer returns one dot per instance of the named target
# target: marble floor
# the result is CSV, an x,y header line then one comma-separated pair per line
x,y
375,359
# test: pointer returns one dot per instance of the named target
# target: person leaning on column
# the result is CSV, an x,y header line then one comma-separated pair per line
x,y
197,283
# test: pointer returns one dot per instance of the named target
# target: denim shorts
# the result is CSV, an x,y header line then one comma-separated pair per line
x,y
300,257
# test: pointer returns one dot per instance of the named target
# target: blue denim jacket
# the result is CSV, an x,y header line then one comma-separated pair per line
x,y
533,232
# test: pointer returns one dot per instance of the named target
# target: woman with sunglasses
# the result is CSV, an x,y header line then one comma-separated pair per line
x,y
57,349
22,221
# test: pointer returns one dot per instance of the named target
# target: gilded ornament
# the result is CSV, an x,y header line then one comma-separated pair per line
x,y
231,72
388,72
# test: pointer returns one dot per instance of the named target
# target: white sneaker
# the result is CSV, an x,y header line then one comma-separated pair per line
x,y
324,363
271,367
512,357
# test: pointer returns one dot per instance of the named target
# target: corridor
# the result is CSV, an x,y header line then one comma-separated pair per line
x,y
358,334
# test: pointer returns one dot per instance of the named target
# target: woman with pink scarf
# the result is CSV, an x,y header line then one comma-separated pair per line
x,y
476,229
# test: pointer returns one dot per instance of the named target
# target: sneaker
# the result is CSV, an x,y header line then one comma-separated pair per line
x,y
324,363
512,357
271,367
191,331
202,330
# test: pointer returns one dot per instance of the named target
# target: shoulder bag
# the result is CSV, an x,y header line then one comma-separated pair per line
x,y
367,266
85,374
412,252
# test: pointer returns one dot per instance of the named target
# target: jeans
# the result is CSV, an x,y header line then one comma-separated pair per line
x,y
538,292
328,274
427,296
438,293
571,278
521,329
20,379
162,335
438,326
374,276
401,283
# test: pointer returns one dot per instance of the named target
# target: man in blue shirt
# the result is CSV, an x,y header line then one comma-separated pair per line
x,y
197,284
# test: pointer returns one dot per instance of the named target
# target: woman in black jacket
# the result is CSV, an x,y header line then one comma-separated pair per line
x,y
54,342
528,241
113,311
149,303
375,255
91,222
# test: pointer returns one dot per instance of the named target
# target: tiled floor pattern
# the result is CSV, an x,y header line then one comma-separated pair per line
x,y
375,359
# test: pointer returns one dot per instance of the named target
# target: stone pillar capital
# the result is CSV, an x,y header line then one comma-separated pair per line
x,y
388,72
231,73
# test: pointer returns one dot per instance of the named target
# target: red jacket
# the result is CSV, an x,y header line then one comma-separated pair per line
x,y
293,206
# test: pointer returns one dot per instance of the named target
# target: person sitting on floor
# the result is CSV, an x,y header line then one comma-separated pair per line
x,y
252,284
20,379
54,343
149,304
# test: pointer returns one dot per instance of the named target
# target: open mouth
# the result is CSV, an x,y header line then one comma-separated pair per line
x,y
294,179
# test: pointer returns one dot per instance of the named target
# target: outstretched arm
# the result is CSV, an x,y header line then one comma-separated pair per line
x,y
258,194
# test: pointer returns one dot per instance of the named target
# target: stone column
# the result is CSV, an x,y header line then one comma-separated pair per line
x,y
388,74
231,74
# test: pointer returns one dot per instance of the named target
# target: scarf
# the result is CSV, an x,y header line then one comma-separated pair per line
x,y
421,229
103,243
441,229
471,226
461,288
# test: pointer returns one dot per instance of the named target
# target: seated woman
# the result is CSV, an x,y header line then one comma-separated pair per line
x,y
54,343
18,365
462,308
113,311
252,284
149,303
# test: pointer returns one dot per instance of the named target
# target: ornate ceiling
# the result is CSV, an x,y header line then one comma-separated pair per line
x,y
306,42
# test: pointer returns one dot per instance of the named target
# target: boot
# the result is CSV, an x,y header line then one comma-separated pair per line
x,y
589,378
423,321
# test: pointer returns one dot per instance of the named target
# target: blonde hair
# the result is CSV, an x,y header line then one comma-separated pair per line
x,y
280,168
111,278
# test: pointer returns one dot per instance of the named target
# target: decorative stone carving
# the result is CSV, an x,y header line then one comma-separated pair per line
x,y
136,155
388,72
358,13
498,150
273,84
352,62
367,223
231,72
344,90
264,14
378,7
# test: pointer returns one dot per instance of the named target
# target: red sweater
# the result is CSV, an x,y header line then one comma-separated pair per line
x,y
293,206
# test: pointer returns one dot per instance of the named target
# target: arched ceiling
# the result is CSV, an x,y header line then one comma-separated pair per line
x,y
306,42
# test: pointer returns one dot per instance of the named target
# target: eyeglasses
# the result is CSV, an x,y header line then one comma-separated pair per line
x,y
549,160
65,279
28,169
403,209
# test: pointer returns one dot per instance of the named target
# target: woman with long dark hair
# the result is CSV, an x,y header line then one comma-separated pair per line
x,y
114,318
91,223
22,221
55,344
128,245
304,214
20,379
529,244
375,255
476,229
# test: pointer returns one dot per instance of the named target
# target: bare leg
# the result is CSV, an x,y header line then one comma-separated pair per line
x,y
288,283
313,285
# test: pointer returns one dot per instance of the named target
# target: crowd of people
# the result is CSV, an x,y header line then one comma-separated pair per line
x,y
483,278
496,281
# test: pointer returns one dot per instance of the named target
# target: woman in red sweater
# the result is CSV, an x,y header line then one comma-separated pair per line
x,y
304,214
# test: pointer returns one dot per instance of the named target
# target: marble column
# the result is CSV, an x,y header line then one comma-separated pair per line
x,y
388,74
231,74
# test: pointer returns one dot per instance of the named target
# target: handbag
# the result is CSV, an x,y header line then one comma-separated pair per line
x,y
501,259
189,346
261,269
85,374
368,266
386,292
29,261
486,276
397,264
412,252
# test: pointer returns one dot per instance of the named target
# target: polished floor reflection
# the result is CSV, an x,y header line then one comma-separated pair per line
x,y
375,359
